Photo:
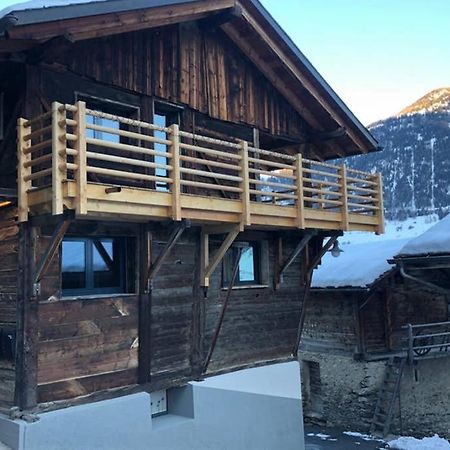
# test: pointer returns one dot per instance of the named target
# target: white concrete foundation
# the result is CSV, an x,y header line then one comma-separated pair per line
x,y
256,409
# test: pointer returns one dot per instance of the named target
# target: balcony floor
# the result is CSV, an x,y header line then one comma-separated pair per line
x,y
143,205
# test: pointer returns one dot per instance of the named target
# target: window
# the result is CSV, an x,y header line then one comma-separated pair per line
x,y
93,266
163,117
110,107
251,270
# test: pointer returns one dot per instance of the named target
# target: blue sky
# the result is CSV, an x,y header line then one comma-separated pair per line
x,y
378,55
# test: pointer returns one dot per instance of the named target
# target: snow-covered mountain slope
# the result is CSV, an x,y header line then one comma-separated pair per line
x,y
437,100
415,162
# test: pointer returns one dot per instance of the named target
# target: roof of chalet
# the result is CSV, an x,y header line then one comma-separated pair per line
x,y
435,241
294,76
358,266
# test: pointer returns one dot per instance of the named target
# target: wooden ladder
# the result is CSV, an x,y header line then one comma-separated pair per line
x,y
387,395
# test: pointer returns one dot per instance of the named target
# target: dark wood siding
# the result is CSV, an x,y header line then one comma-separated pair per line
x,y
89,344
187,65
330,325
9,240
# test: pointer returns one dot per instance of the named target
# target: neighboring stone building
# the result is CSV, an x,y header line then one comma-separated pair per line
x,y
357,323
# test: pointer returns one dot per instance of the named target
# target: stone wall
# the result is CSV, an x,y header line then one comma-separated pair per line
x,y
346,391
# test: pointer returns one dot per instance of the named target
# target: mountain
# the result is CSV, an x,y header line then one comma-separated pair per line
x,y
415,160
437,100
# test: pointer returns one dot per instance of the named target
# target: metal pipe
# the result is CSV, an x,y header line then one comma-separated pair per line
x,y
423,282
224,308
7,22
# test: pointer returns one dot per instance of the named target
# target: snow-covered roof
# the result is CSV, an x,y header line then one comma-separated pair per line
x,y
360,265
436,240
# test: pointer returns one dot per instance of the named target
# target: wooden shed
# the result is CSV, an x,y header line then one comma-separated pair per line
x,y
165,193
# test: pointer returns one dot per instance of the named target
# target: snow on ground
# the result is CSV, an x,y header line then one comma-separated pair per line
x,y
428,443
4,446
434,241
365,437
324,437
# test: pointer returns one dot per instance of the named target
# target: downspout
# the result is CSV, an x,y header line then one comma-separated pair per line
x,y
6,23
420,281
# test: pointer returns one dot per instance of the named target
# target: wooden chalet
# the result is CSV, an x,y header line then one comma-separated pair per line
x,y
361,305
165,193
386,302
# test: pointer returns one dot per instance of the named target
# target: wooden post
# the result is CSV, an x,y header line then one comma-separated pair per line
x,y
299,186
410,344
176,185
27,322
344,198
204,258
245,186
59,158
380,204
80,159
145,303
23,186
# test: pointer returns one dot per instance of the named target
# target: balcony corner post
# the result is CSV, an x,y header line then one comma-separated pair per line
x,y
23,183
299,188
245,186
59,157
344,198
176,173
81,159
379,180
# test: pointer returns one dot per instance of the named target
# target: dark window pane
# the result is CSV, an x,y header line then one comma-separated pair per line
x,y
247,265
106,263
73,264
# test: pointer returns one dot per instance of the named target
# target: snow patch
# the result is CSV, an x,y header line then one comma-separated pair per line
x,y
324,437
365,437
435,240
428,443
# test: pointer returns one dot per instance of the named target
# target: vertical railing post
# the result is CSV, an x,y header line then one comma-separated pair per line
x,y
24,170
245,185
80,159
299,187
59,157
344,197
175,173
410,344
379,203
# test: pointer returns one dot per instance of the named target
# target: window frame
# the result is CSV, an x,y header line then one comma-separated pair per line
x,y
228,262
89,266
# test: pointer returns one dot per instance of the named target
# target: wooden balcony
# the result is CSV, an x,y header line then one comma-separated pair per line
x,y
106,166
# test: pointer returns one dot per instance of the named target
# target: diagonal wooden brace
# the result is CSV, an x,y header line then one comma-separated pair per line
x,y
173,238
52,248
290,259
208,266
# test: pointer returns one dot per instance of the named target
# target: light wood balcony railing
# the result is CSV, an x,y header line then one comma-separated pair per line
x,y
101,165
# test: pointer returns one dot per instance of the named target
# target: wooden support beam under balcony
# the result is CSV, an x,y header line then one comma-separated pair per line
x,y
139,171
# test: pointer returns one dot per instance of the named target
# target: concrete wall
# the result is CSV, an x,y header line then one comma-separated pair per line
x,y
256,409
343,392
